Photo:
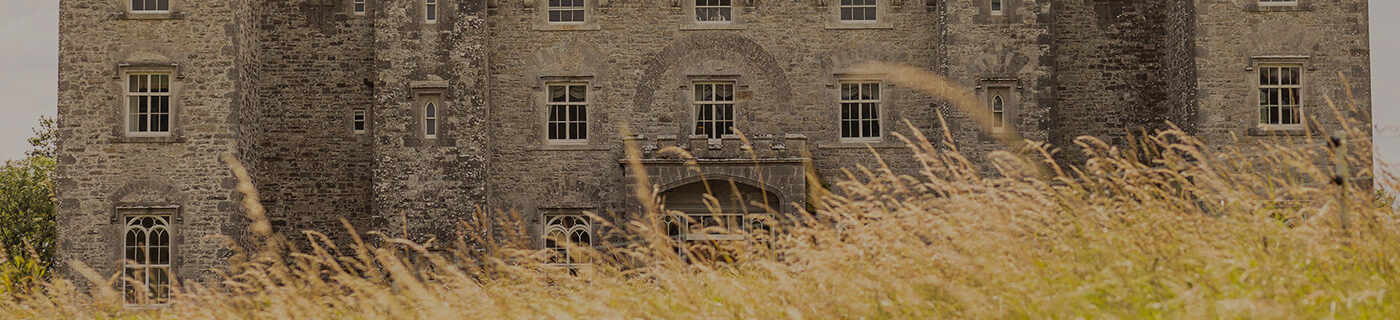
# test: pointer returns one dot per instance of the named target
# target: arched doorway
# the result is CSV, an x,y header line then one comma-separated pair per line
x,y
712,218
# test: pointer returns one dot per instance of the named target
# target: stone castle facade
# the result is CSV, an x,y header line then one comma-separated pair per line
x,y
424,112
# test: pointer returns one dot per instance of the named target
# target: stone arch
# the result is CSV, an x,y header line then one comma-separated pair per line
x,y
146,193
775,198
746,49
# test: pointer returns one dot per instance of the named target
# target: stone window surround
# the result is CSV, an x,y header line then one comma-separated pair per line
x,y
1007,16
1011,112
886,105
739,103
359,112
541,97
437,11
590,98
1252,77
423,92
176,133
118,231
547,213
364,7
882,12
736,21
541,9
174,13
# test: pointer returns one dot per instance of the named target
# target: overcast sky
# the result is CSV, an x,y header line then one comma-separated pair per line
x,y
29,72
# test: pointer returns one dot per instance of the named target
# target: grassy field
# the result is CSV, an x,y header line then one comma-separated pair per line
x,y
1166,229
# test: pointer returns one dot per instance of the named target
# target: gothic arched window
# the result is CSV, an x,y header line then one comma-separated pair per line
x,y
566,236
998,113
146,259
430,117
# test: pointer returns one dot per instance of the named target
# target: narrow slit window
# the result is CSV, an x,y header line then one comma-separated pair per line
x,y
998,113
148,104
860,110
568,112
430,9
566,11
714,109
360,120
150,6
430,120
858,10
714,10
146,274
359,6
1281,95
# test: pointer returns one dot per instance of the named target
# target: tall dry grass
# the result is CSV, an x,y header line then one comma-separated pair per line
x,y
1164,229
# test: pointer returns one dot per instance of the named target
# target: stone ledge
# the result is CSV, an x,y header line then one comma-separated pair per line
x,y
149,16
858,25
567,147
714,26
567,27
1261,132
156,140
1282,8
862,145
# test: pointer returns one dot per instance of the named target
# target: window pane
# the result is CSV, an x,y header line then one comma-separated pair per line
x,y
133,83
138,5
163,5
578,93
704,93
431,127
432,12
724,92
847,13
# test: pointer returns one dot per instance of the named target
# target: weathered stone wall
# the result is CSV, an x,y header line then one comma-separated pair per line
x,y
100,169
1011,52
428,186
1107,53
640,58
1333,34
274,82
315,171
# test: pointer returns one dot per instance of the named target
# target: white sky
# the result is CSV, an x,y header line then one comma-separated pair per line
x,y
29,73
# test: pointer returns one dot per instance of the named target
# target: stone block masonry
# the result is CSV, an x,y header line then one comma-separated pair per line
x,y
457,109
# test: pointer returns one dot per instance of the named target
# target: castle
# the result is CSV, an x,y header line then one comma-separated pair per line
x,y
417,114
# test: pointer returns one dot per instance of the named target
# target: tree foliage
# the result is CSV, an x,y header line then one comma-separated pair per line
x,y
27,225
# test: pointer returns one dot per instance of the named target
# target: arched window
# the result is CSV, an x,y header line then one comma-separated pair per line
x,y
430,117
146,260
998,113
566,236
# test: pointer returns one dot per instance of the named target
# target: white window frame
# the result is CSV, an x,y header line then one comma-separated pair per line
x,y
997,7
359,120
131,6
712,106
1278,3
359,7
568,121
874,6
556,225
127,94
861,120
556,6
432,111
160,295
431,11
1299,117
713,5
